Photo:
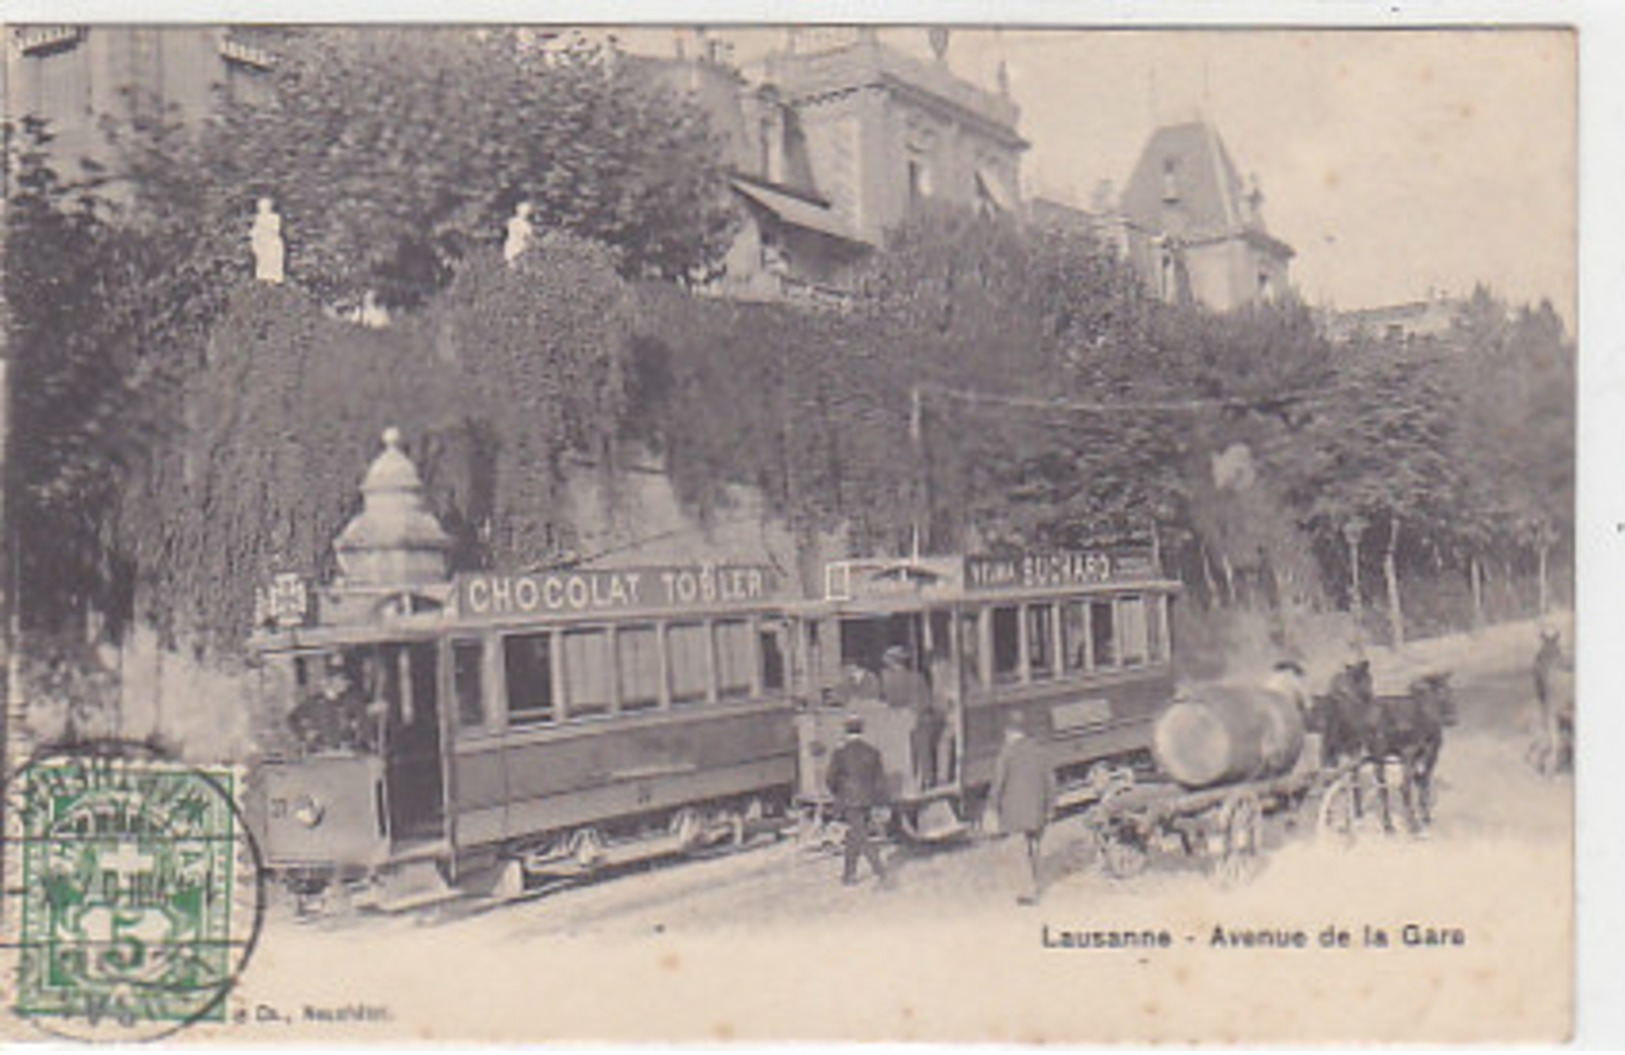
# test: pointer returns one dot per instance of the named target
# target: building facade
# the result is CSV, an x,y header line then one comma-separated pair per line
x,y
837,141
75,78
1193,229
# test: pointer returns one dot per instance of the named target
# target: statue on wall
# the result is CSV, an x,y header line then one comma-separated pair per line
x,y
265,238
520,233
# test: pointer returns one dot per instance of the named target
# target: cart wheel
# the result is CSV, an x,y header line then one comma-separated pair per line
x,y
1123,853
1338,820
1241,824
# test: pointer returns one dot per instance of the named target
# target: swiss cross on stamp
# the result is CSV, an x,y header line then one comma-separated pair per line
x,y
139,901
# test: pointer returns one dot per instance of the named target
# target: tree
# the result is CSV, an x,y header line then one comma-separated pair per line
x,y
1382,461
81,323
391,153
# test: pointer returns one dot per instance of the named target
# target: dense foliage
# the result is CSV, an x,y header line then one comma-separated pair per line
x,y
512,369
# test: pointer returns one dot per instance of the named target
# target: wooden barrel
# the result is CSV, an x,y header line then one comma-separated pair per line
x,y
1219,734
1283,731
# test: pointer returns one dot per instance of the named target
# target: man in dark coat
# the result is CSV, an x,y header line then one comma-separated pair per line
x,y
857,779
1023,794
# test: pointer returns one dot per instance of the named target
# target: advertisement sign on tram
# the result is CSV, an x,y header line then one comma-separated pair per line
x,y
579,591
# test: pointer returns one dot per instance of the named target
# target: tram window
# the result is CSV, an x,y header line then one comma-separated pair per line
x,y
1075,635
637,654
734,660
1041,640
970,647
1103,634
468,682
1156,650
1131,611
589,673
1006,644
772,640
527,661
687,654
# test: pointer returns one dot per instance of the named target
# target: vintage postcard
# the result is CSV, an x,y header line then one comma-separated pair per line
x,y
662,533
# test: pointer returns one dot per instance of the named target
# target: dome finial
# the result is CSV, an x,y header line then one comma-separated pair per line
x,y
392,438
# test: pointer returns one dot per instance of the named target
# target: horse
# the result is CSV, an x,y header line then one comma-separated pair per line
x,y
1343,715
1360,728
1410,730
1554,694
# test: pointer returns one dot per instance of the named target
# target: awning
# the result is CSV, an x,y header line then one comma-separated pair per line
x,y
799,212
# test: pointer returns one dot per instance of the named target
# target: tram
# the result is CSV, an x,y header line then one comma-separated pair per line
x,y
443,733
484,728
1074,646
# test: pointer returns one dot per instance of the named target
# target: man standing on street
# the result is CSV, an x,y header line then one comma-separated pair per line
x,y
857,779
1023,793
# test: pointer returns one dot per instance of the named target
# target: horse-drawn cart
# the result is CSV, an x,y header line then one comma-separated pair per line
x,y
1231,758
1225,825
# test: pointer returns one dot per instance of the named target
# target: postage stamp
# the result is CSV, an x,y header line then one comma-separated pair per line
x,y
132,920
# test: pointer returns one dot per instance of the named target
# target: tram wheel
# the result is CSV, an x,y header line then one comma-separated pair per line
x,y
688,828
510,880
587,847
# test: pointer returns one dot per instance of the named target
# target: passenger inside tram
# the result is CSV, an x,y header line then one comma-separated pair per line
x,y
902,685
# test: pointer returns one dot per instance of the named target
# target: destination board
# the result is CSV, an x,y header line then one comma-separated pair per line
x,y
1060,568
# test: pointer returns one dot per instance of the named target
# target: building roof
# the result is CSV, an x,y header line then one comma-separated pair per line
x,y
1186,184
797,210
865,62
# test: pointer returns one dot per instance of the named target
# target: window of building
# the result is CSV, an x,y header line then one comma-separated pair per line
x,y
468,682
1102,634
919,181
589,673
688,656
528,663
1075,635
734,659
1170,180
771,636
1006,644
1132,631
1041,640
637,660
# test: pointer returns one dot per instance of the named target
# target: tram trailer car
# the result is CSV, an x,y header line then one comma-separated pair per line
x,y
515,725
1075,644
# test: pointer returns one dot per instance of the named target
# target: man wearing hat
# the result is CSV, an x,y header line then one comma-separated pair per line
x,y
857,779
336,716
1023,794
904,687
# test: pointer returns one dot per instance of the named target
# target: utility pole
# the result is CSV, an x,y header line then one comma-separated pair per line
x,y
916,446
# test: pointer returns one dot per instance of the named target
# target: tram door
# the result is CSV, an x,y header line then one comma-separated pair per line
x,y
413,778
921,740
